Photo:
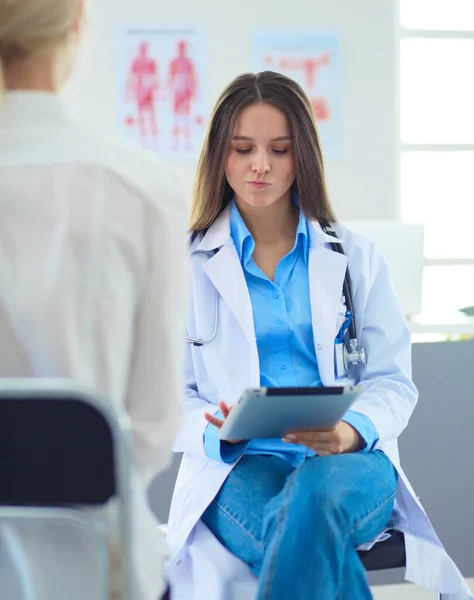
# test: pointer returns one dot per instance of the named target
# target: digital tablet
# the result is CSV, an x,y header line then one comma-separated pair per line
x,y
274,412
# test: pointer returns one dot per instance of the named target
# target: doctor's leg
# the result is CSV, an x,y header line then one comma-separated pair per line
x,y
236,514
328,506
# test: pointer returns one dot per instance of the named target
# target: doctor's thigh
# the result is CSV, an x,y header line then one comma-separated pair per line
x,y
297,528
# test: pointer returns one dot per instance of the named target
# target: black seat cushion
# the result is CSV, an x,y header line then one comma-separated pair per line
x,y
389,554
54,453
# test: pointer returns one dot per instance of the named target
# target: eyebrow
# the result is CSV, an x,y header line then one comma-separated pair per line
x,y
243,138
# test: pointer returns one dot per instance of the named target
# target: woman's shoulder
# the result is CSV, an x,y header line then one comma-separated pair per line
x,y
356,244
68,143
352,238
158,180
363,254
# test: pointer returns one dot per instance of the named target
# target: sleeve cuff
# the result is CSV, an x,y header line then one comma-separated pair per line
x,y
364,426
218,450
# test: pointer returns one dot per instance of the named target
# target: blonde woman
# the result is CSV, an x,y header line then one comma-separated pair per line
x,y
92,252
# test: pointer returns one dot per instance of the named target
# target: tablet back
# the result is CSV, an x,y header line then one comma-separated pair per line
x,y
274,412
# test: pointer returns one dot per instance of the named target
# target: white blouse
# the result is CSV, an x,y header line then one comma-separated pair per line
x,y
92,277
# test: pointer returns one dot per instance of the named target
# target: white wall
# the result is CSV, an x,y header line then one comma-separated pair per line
x,y
362,182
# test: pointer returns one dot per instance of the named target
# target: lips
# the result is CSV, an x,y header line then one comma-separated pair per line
x,y
259,185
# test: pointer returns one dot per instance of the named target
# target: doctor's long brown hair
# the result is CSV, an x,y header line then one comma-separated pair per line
x,y
212,192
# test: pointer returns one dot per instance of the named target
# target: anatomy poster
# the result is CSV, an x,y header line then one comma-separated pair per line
x,y
314,62
162,88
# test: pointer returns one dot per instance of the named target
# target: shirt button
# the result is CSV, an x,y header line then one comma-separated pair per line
x,y
319,347
282,367
279,321
276,295
279,342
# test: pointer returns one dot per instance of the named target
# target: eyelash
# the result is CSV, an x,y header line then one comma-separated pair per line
x,y
247,151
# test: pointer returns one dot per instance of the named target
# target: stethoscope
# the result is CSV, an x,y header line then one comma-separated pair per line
x,y
353,354
200,341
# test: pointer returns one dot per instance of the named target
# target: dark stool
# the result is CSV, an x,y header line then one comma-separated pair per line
x,y
389,554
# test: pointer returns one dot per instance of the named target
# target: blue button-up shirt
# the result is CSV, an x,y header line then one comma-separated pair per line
x,y
285,342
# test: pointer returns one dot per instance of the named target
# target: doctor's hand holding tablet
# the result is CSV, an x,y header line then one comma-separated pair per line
x,y
310,417
225,410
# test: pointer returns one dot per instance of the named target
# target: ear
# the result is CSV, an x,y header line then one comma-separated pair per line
x,y
79,19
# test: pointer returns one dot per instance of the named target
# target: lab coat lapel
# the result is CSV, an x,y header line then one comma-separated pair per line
x,y
226,274
232,361
327,269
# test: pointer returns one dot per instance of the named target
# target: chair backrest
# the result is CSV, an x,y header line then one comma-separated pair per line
x,y
54,451
64,448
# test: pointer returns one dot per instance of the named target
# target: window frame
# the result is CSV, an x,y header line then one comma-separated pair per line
x,y
402,33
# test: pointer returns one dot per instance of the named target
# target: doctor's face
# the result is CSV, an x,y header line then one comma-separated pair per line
x,y
260,165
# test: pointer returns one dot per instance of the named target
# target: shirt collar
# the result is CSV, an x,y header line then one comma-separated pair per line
x,y
23,109
243,240
240,234
302,236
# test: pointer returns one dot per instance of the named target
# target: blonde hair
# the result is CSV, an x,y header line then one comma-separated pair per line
x,y
30,27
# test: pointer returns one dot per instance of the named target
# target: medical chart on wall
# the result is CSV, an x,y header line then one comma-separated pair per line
x,y
313,60
163,85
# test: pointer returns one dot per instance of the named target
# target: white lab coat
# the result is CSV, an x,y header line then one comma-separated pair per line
x,y
201,568
92,287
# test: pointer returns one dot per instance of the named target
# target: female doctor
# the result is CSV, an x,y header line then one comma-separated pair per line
x,y
92,279
283,518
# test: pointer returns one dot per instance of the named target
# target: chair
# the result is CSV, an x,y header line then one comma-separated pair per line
x,y
64,457
389,554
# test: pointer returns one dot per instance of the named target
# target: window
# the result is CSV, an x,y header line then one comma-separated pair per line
x,y
441,15
437,144
437,91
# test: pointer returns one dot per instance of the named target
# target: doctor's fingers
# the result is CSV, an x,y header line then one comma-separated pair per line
x,y
213,420
322,446
225,409
218,423
325,452
325,437
325,449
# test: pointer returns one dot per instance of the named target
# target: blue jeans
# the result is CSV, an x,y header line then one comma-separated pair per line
x,y
297,528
